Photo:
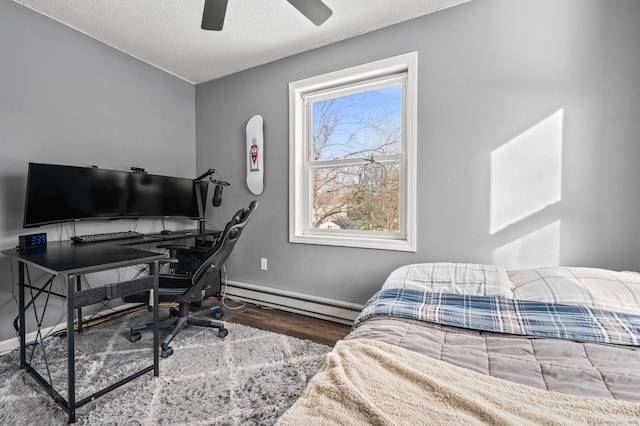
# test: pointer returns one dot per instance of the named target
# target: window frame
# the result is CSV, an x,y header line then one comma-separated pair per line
x,y
352,80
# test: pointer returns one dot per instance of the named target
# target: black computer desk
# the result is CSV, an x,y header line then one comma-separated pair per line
x,y
71,262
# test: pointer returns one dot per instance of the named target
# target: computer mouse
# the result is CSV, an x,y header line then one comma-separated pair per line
x,y
166,232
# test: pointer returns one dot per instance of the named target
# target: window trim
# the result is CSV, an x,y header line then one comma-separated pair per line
x,y
314,87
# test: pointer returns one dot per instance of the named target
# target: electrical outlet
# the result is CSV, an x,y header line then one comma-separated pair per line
x,y
263,263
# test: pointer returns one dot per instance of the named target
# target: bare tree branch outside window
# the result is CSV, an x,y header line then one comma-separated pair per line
x,y
356,141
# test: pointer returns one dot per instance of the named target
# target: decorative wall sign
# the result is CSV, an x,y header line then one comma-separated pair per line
x,y
255,155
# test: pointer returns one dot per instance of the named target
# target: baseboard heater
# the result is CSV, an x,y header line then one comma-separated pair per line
x,y
313,306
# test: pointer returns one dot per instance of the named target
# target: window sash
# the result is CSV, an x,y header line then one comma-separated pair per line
x,y
353,88
389,159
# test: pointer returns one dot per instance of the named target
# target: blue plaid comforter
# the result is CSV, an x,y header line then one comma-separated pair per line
x,y
504,315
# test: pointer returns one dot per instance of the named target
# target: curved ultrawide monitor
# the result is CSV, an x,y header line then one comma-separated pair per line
x,y
57,193
162,196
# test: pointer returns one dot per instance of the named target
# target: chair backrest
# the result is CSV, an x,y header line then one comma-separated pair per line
x,y
216,257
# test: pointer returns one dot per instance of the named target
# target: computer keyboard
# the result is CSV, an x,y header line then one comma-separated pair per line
x,y
108,236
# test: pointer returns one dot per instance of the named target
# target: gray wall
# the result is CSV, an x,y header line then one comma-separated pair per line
x,y
489,70
68,99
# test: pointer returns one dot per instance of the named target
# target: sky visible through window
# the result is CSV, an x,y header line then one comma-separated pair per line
x,y
358,125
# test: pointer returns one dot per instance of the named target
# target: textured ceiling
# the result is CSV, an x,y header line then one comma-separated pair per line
x,y
167,34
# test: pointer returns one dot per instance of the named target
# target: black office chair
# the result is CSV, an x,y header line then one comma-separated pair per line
x,y
186,289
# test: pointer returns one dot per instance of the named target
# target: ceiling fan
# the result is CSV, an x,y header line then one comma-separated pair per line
x,y
214,11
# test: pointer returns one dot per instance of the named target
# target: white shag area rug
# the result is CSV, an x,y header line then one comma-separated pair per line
x,y
249,377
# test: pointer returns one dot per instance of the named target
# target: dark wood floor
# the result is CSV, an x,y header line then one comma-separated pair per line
x,y
291,324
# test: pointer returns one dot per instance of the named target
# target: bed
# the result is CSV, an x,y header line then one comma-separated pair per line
x,y
461,343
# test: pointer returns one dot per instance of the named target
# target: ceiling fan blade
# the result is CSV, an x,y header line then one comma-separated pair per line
x,y
314,10
213,14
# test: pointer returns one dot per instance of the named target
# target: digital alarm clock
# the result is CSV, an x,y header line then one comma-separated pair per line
x,y
26,242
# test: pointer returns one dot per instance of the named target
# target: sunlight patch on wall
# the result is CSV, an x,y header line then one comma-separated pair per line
x,y
526,173
538,248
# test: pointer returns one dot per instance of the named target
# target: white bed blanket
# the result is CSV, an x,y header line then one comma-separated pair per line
x,y
364,382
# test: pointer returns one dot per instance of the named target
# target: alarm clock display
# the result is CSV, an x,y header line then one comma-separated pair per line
x,y
26,242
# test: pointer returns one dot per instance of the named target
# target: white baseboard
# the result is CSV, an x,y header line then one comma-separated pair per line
x,y
8,345
313,306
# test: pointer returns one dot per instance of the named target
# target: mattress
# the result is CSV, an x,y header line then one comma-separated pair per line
x,y
451,343
572,367
580,349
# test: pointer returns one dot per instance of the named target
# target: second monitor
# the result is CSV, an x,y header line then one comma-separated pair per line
x,y
163,196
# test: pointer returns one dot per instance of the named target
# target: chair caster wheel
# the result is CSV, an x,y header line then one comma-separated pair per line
x,y
223,333
166,353
135,336
218,314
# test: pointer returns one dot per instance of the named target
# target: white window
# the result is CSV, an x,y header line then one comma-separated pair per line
x,y
353,156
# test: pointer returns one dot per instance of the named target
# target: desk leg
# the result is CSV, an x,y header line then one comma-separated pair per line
x,y
21,313
71,365
154,270
79,288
